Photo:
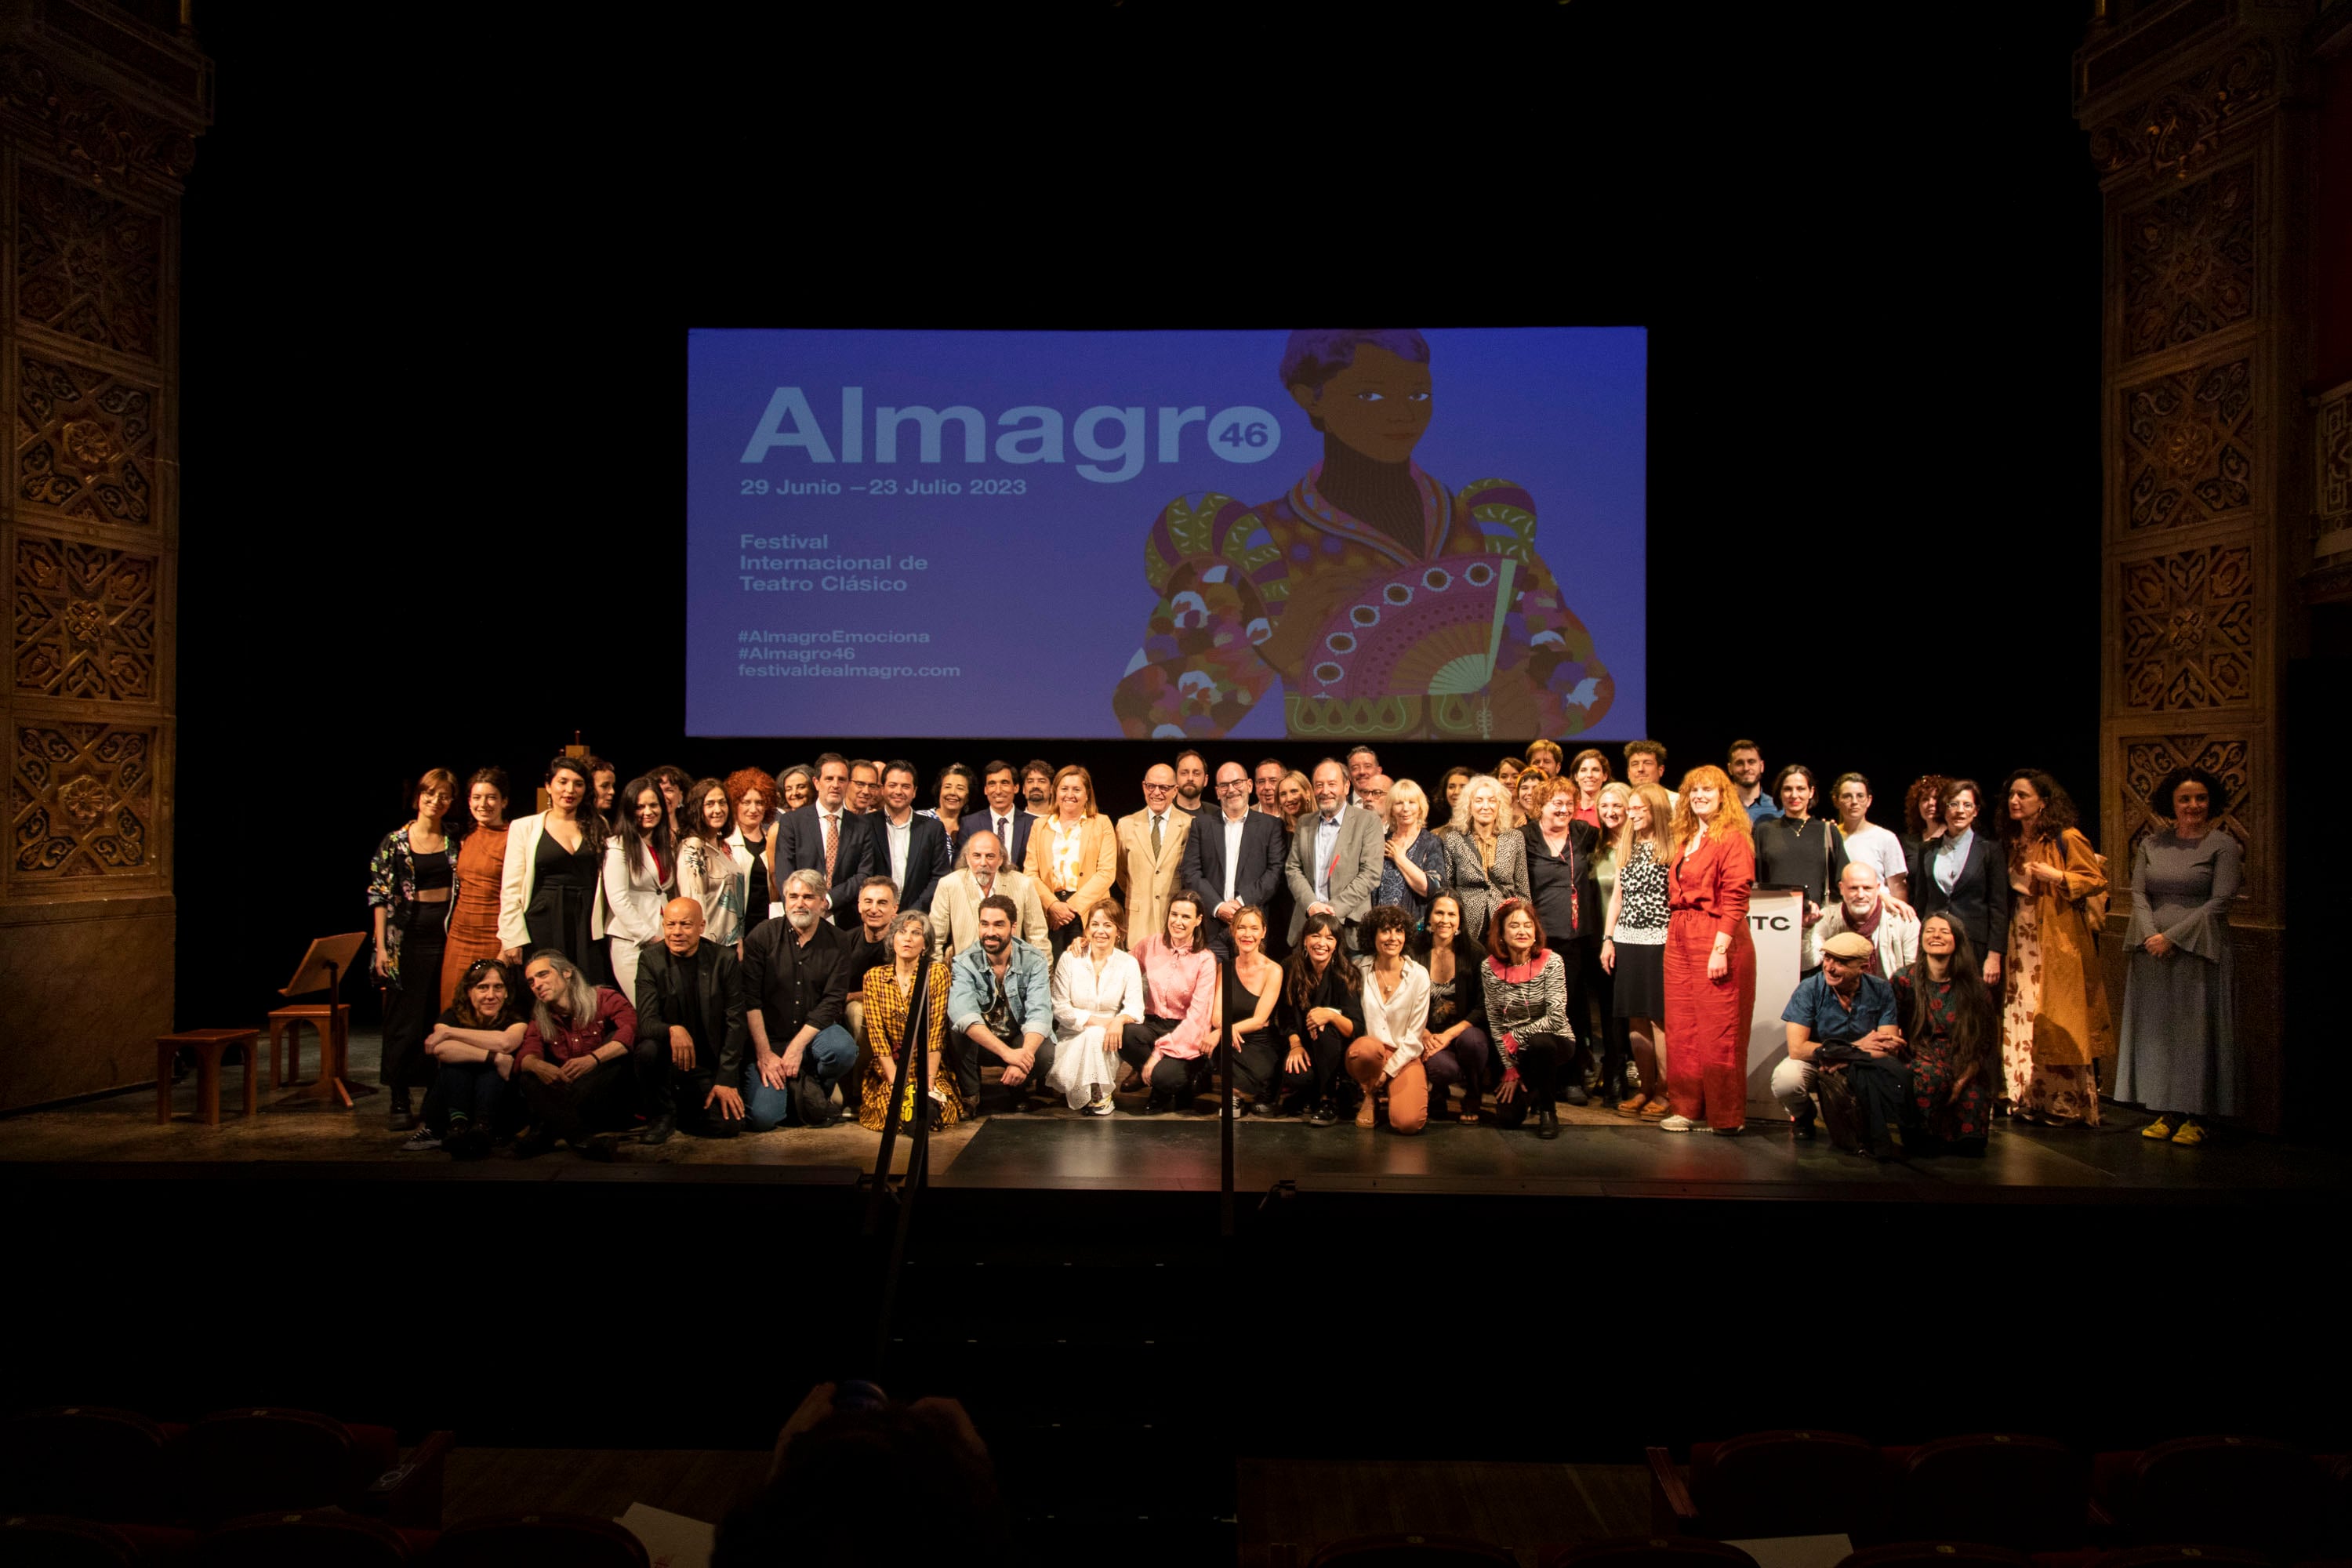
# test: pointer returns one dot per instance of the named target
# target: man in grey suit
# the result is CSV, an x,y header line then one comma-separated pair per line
x,y
1233,857
1334,866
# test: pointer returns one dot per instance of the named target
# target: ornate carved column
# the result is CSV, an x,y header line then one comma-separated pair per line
x,y
99,112
2200,156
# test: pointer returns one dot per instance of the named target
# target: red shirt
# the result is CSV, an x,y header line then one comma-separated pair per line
x,y
615,1021
1712,884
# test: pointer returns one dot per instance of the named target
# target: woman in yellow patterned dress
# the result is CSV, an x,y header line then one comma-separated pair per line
x,y
1386,603
888,988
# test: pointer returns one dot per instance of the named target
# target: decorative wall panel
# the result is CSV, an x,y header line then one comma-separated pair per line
x,y
2188,440
81,801
85,621
2187,629
87,265
85,441
2187,261
2171,134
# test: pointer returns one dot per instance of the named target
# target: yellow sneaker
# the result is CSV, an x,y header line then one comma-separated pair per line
x,y
2159,1128
2189,1136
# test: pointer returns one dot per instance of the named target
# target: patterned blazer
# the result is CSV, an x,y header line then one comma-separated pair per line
x,y
392,884
1479,887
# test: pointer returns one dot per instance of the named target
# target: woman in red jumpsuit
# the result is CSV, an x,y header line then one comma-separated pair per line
x,y
1710,959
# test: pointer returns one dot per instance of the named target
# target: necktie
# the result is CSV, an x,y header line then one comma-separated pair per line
x,y
1155,838
832,844
1004,834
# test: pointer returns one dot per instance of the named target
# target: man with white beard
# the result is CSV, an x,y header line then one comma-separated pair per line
x,y
796,984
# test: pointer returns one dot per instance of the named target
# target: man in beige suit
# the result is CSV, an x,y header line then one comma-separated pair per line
x,y
955,903
1151,855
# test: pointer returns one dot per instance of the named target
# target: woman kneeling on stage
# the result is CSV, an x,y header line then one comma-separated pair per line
x,y
474,1045
889,991
1319,1012
1453,1042
1249,989
1396,1011
1526,1014
1170,1049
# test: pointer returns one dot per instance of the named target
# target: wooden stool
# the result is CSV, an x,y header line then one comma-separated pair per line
x,y
209,1044
333,1026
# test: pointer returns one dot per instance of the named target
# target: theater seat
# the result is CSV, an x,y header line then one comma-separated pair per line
x,y
300,1540
2336,1530
1649,1552
2029,1494
2222,1491
83,1460
1938,1554
45,1540
234,1463
1412,1552
1786,1483
539,1541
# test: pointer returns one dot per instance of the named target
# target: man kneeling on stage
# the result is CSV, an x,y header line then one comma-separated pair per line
x,y
795,989
690,1030
1002,1003
573,1060
1842,1022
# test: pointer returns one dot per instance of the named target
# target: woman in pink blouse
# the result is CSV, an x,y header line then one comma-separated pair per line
x,y
1170,1049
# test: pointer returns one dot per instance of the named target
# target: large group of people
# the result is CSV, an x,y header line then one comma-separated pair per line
x,y
741,954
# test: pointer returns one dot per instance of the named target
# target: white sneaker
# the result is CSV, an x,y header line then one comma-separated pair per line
x,y
1100,1105
1676,1124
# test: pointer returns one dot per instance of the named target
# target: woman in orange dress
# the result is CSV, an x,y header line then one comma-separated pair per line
x,y
481,860
1710,959
2054,1021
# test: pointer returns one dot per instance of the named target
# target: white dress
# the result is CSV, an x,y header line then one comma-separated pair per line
x,y
1085,1055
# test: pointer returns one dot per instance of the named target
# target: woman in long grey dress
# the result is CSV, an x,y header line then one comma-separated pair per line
x,y
2179,1049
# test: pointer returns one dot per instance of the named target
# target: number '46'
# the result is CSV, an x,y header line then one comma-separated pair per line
x,y
1234,435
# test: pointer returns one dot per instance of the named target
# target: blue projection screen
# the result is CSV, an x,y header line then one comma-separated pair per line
x,y
1316,534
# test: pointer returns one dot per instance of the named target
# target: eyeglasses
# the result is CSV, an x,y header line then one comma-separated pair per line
x,y
1233,783
1158,788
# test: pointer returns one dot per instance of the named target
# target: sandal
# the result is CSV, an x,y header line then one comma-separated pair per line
x,y
1633,1106
2161,1127
1656,1109
2190,1135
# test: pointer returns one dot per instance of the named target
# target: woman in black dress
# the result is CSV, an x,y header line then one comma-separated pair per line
x,y
1953,1026
1249,988
1454,1048
1797,849
551,894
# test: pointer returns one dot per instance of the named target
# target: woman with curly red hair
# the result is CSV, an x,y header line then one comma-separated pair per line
x,y
752,844
1710,959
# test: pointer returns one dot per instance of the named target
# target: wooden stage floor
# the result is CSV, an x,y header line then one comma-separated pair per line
x,y
1598,1154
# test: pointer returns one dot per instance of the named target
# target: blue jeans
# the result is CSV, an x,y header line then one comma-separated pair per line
x,y
829,1057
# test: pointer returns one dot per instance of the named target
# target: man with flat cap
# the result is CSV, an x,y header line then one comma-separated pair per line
x,y
1841,1015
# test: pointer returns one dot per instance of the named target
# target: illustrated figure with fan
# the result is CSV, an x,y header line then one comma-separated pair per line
x,y
1385,604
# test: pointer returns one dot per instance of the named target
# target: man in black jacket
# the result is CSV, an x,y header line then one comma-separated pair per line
x,y
803,838
1226,882
689,1029
1560,881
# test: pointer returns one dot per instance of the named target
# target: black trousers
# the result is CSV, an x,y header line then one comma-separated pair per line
x,y
1261,1070
665,1092
1592,1013
965,1056
472,1090
597,1101
411,1006
1541,1058
1169,1075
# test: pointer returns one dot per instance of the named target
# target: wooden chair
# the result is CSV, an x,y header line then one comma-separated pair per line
x,y
209,1044
322,968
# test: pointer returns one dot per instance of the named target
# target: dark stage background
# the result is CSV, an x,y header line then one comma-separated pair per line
x,y
437,294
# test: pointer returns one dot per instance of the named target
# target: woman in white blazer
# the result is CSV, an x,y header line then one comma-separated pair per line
x,y
552,885
640,872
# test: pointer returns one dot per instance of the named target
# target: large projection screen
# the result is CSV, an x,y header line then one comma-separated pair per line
x,y
1257,534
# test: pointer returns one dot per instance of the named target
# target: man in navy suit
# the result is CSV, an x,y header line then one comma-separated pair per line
x,y
1006,817
912,850
804,836
1232,858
